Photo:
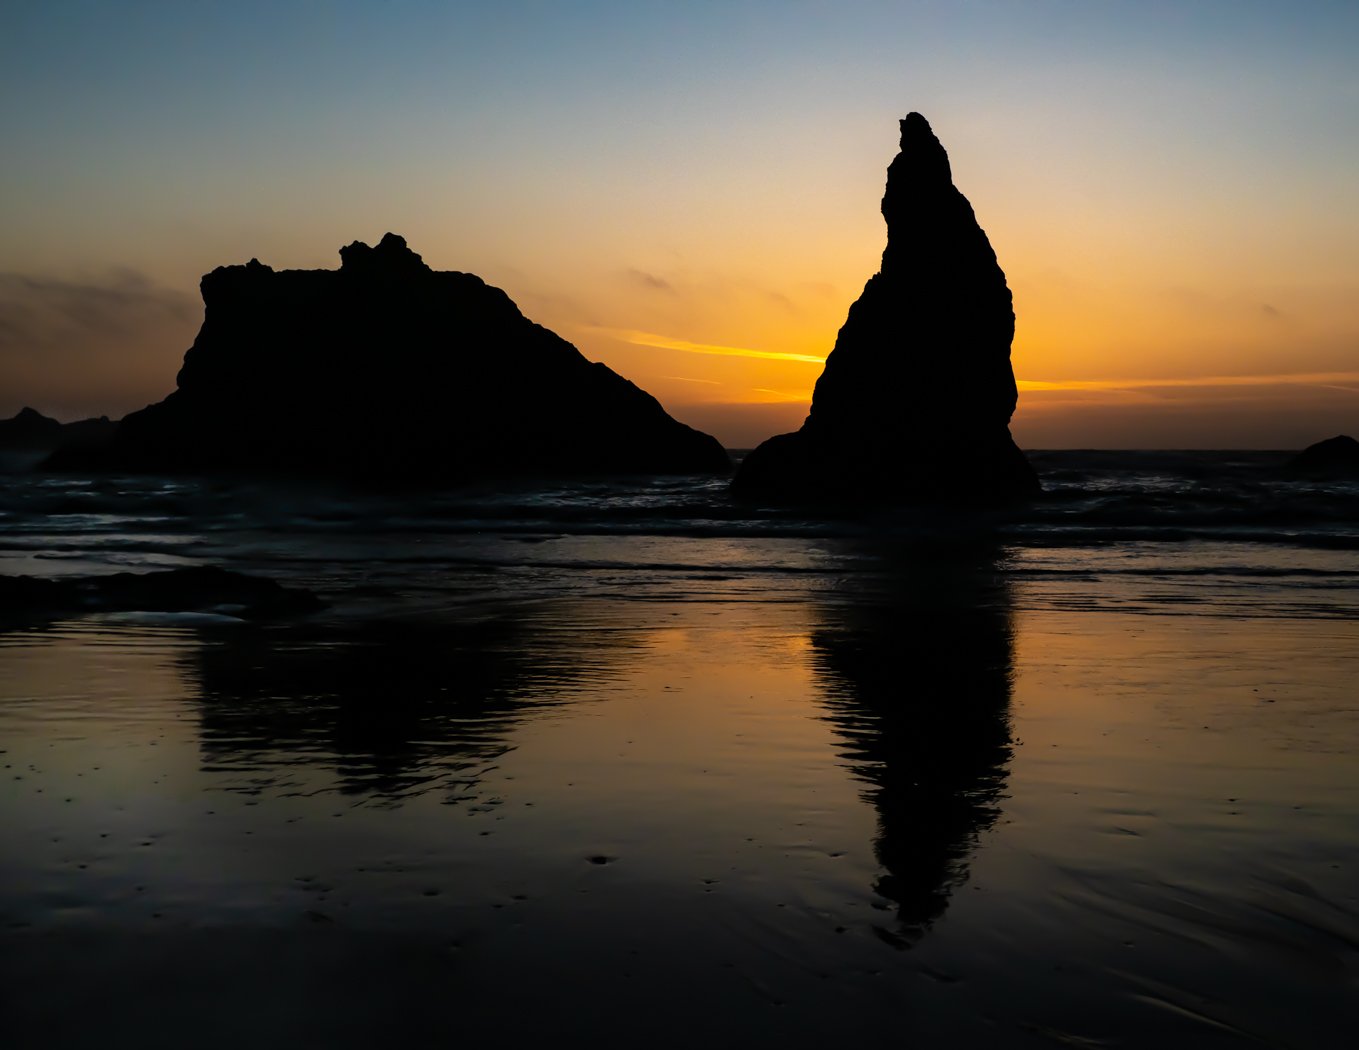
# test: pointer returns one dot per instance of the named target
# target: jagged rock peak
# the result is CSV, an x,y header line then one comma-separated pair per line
x,y
391,254
922,160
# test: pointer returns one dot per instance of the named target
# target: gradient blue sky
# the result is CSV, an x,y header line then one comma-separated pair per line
x,y
1171,189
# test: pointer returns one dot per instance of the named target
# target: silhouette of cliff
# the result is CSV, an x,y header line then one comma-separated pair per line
x,y
915,400
386,368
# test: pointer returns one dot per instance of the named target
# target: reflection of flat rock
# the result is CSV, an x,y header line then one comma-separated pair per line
x,y
199,589
915,401
385,368
1335,457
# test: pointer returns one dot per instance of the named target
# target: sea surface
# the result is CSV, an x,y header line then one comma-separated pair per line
x,y
628,763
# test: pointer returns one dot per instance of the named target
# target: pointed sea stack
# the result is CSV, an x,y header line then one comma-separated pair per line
x,y
387,370
915,401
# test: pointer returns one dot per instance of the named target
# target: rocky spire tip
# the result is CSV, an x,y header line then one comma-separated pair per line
x,y
391,252
922,155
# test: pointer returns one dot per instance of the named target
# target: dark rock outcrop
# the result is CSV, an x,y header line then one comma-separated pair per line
x,y
88,433
198,589
1336,457
915,401
30,438
386,369
30,429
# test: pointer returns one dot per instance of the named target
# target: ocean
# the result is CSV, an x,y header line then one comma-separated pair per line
x,y
626,761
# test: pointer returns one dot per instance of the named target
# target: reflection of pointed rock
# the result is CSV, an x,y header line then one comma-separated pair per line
x,y
915,401
922,700
386,367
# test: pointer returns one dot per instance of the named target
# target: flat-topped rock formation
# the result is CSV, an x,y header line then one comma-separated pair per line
x,y
386,369
915,401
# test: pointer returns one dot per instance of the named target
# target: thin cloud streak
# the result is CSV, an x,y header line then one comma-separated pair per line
x,y
690,379
1334,379
664,342
786,395
40,313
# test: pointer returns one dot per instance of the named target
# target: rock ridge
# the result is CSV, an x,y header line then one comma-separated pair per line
x,y
386,369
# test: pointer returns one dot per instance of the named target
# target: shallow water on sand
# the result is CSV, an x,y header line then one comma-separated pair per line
x,y
631,763
965,807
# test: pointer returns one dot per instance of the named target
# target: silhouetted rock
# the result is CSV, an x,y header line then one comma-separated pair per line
x,y
30,436
29,429
1335,457
88,433
197,589
387,368
915,401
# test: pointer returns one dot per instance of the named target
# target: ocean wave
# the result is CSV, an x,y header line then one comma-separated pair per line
x,y
1090,497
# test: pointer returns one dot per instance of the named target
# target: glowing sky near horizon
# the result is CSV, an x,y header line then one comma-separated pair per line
x,y
689,191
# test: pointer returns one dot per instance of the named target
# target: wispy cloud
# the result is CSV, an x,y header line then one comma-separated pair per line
x,y
37,313
691,379
785,395
103,345
650,280
664,342
1297,379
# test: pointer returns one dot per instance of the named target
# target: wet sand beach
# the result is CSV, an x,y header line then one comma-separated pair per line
x,y
667,789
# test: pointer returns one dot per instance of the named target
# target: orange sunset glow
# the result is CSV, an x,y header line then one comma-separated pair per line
x,y
532,523
1170,196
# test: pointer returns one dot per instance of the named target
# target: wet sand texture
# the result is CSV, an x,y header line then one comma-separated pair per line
x,y
959,817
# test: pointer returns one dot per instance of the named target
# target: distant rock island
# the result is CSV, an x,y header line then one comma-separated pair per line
x,y
915,400
1336,457
30,436
386,369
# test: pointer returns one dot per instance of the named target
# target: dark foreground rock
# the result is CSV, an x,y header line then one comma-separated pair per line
x,y
915,401
386,369
198,589
1337,457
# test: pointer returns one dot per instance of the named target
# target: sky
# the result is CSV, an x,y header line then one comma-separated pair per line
x,y
689,191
